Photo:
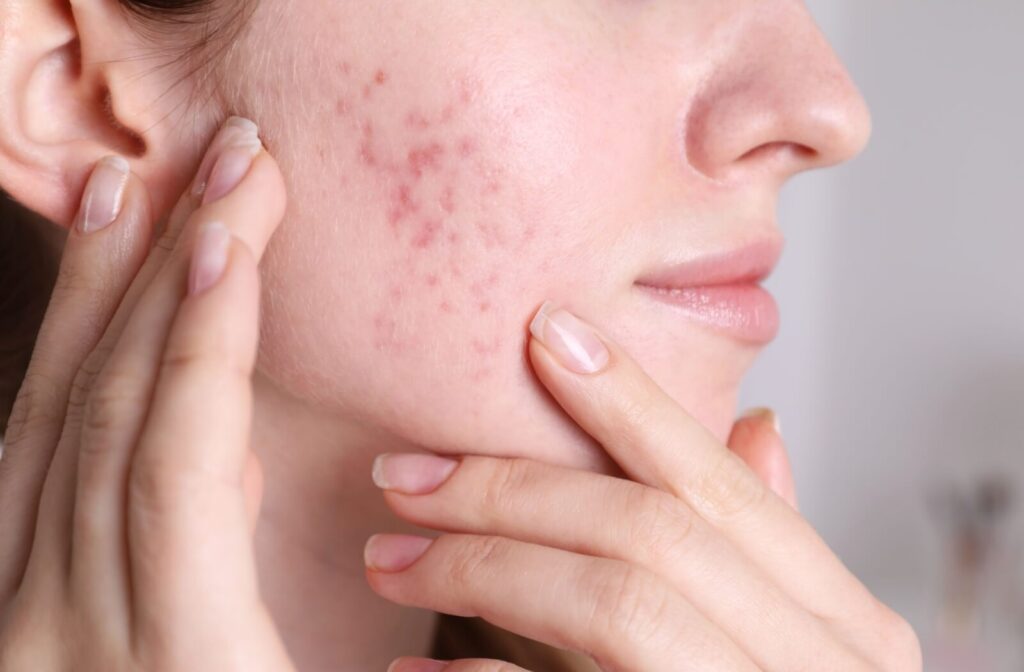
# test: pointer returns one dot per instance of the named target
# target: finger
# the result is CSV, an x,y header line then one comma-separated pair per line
x,y
603,516
188,516
408,664
64,456
121,395
658,443
103,252
624,617
755,438
252,485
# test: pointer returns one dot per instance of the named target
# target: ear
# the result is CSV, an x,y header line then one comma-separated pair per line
x,y
78,81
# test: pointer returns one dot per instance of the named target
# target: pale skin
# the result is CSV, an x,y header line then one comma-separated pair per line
x,y
620,488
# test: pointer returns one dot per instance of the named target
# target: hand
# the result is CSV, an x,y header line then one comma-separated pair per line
x,y
692,564
127,488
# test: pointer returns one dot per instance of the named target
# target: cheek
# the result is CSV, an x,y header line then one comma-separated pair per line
x,y
420,232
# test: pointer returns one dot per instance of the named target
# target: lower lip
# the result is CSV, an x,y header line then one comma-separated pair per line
x,y
746,311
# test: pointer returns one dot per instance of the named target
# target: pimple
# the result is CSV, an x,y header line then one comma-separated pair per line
x,y
446,307
427,233
380,77
416,121
466,147
426,157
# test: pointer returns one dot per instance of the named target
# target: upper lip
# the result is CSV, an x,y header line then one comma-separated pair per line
x,y
746,264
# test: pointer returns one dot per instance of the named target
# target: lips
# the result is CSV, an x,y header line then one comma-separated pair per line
x,y
722,290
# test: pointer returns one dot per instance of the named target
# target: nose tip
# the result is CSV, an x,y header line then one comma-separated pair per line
x,y
781,100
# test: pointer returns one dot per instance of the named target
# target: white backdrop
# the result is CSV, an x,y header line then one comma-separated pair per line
x,y
902,286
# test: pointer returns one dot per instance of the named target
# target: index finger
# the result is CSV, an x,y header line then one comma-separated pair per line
x,y
657,442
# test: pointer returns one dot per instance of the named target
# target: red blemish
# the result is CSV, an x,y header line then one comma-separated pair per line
x,y
453,237
466,147
486,348
529,233
343,107
447,113
484,306
481,373
396,291
380,78
346,68
446,307
448,199
425,157
427,233
416,121
432,280
492,187
367,91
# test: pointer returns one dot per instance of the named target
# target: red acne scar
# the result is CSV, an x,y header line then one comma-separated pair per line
x,y
425,157
416,121
466,147
427,233
402,204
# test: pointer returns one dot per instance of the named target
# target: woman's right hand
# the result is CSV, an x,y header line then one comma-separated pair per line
x,y
128,491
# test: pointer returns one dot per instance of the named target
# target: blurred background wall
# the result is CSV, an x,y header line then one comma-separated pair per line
x,y
901,356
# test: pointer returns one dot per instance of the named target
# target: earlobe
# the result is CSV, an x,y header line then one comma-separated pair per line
x,y
78,82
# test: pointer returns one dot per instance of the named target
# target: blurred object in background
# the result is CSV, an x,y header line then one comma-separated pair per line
x,y
978,623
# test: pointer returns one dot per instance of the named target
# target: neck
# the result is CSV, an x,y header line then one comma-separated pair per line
x,y
319,508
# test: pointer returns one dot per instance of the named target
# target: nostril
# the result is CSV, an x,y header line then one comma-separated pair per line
x,y
773,151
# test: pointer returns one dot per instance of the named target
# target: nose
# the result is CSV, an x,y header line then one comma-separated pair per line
x,y
777,100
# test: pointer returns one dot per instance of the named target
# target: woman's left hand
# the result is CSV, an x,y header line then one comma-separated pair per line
x,y
693,564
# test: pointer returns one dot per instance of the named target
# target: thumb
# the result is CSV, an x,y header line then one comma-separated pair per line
x,y
755,438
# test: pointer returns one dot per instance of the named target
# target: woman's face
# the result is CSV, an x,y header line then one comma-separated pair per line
x,y
453,164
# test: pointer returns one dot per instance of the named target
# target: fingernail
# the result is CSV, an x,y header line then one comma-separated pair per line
x,y
767,413
417,665
230,168
235,130
104,194
575,344
411,473
209,257
394,552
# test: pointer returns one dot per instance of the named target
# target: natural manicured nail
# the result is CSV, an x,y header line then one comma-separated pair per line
x,y
231,167
574,343
766,413
417,665
104,194
234,132
209,257
394,552
411,473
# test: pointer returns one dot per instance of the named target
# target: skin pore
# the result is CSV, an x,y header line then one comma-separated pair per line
x,y
449,167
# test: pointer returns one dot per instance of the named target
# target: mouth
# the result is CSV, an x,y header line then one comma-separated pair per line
x,y
722,290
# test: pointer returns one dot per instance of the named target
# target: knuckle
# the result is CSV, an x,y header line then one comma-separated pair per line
x,y
473,557
901,648
661,523
106,406
629,604
729,490
504,485
36,407
212,354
